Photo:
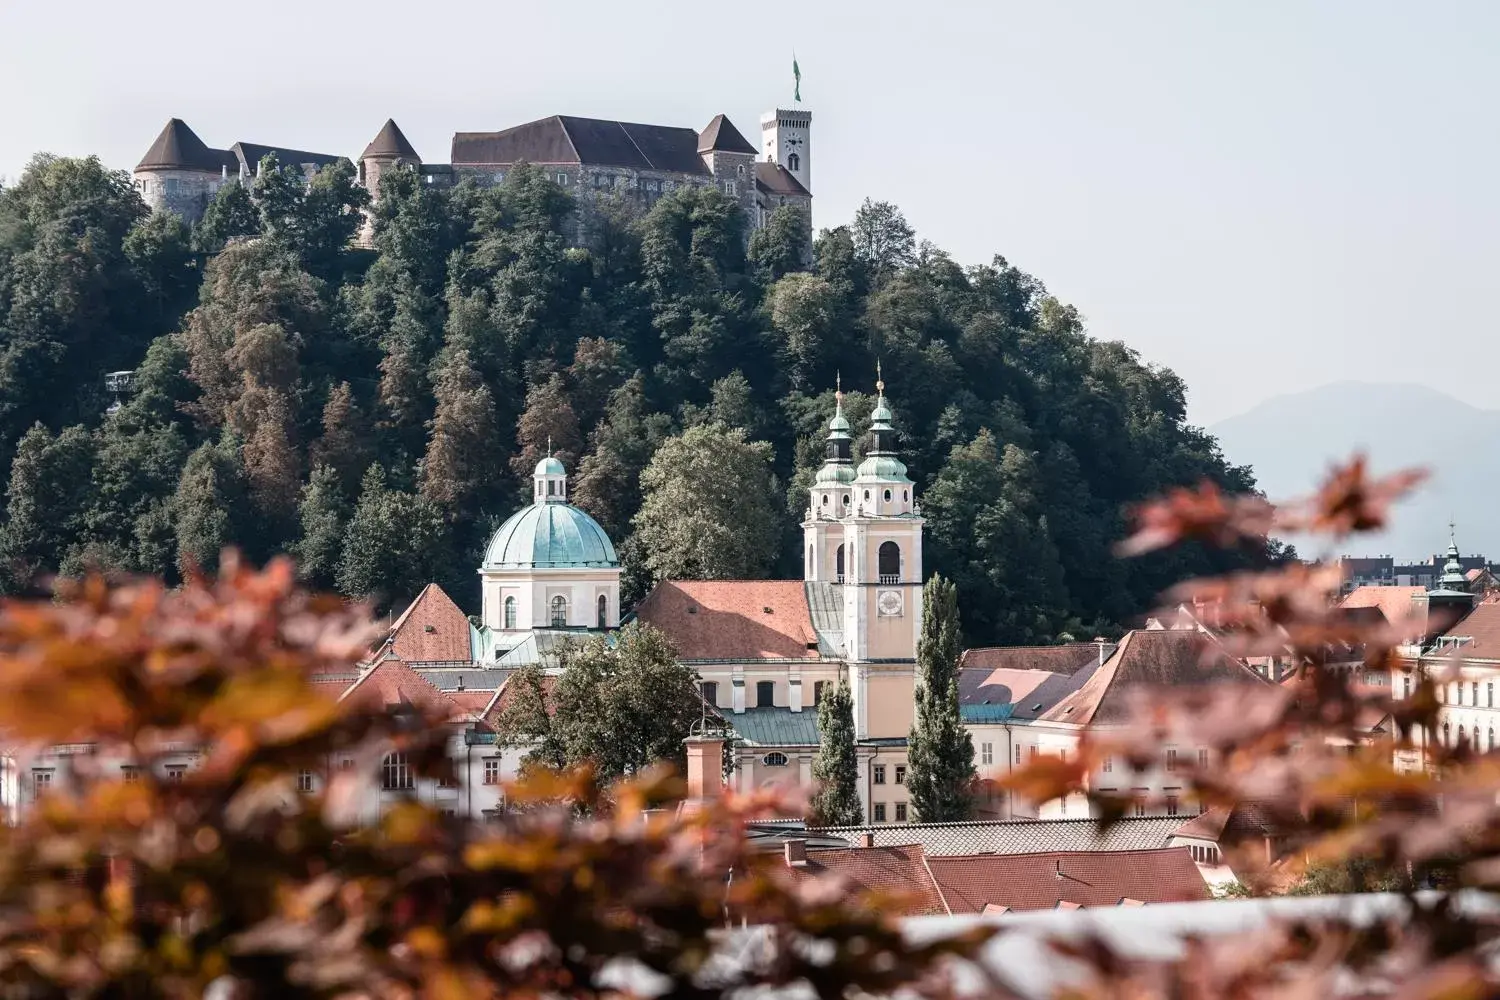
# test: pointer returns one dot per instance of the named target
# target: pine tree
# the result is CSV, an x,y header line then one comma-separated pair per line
x,y
836,770
344,444
458,463
230,213
940,751
396,543
208,496
324,512
46,497
548,422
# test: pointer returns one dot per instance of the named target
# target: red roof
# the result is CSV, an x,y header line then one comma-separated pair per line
x,y
1393,602
886,869
431,629
1169,658
472,702
499,700
390,683
1067,879
734,619
1067,658
1479,631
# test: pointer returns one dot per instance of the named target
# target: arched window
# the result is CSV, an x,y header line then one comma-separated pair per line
x,y
510,612
1491,739
1447,735
603,611
774,759
559,610
793,161
905,495
887,496
1460,734
838,564
825,499
846,499
890,562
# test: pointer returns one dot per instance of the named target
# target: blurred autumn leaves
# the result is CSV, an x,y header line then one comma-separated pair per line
x,y
147,887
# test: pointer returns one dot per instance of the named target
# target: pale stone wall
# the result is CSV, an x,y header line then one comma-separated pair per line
x,y
185,192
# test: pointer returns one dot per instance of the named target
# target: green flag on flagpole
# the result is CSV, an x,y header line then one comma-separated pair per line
x,y
797,76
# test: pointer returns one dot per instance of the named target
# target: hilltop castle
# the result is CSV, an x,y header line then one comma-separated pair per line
x,y
181,173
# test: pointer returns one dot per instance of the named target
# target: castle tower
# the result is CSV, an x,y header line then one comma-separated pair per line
x,y
831,500
387,151
179,173
729,156
786,139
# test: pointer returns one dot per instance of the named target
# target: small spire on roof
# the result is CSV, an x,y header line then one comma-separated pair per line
x,y
879,382
549,445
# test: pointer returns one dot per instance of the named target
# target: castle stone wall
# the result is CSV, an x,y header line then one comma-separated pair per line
x,y
186,192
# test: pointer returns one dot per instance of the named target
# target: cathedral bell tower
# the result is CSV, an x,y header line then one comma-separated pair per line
x,y
863,537
832,499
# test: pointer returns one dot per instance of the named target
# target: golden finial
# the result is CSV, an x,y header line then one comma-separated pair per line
x,y
838,387
879,382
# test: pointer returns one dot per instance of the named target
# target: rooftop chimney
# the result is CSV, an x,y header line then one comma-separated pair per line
x,y
796,853
705,766
867,839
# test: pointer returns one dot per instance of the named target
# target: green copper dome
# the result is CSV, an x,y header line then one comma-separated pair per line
x,y
550,466
550,536
883,469
834,474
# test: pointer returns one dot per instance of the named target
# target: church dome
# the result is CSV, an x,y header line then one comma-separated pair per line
x,y
550,466
550,536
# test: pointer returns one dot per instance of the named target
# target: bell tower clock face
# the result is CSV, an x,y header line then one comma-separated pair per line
x,y
889,604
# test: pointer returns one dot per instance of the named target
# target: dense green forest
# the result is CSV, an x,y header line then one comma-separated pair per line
x,y
377,411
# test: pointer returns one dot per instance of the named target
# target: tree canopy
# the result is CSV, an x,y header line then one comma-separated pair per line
x,y
683,371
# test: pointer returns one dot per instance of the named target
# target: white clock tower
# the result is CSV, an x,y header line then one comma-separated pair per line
x,y
786,138
863,535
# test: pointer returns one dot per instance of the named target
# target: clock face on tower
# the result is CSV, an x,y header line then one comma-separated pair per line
x,y
888,603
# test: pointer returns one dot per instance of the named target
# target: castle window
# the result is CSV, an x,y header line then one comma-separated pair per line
x,y
562,179
793,162
889,556
765,694
559,611
510,612
603,611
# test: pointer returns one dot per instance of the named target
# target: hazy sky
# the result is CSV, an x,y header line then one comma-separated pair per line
x,y
1264,196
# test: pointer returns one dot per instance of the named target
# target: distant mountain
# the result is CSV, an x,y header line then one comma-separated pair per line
x,y
1290,441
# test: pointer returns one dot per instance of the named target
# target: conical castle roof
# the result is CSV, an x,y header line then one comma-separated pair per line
x,y
721,136
179,148
390,144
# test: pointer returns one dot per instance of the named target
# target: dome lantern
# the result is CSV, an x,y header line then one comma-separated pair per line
x,y
550,480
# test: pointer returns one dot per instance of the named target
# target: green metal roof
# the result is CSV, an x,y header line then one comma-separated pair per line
x,y
550,466
776,727
832,473
550,536
883,469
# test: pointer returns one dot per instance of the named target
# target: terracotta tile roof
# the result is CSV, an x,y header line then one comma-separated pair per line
x,y
1067,658
390,683
886,869
1031,679
1393,602
1207,825
1149,659
1017,836
1479,631
472,703
431,629
501,699
1063,879
733,619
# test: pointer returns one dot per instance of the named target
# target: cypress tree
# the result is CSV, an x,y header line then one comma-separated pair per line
x,y
941,751
835,770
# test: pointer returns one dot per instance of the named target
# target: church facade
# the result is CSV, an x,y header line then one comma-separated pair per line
x,y
765,649
588,157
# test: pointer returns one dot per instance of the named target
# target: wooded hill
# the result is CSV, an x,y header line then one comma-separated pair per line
x,y
378,411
